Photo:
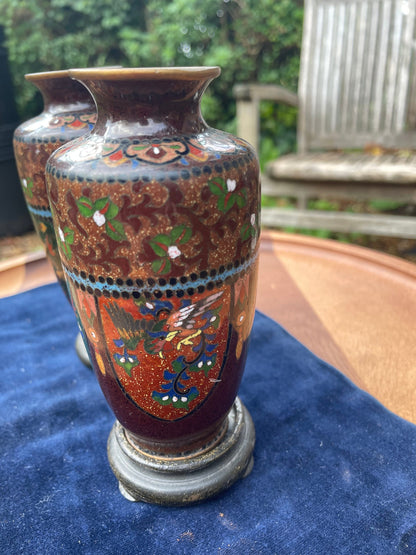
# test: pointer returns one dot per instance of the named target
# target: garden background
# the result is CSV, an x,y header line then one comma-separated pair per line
x,y
251,40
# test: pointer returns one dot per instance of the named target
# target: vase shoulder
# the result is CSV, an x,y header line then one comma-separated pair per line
x,y
125,156
69,111
58,127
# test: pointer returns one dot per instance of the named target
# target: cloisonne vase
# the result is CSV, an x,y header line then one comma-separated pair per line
x,y
69,112
157,219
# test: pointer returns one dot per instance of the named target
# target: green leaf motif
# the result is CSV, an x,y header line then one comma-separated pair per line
x,y
241,199
106,149
227,198
229,201
27,185
217,186
85,207
67,250
215,318
245,232
69,235
178,403
180,234
162,238
158,397
204,367
106,207
225,202
177,366
100,203
115,230
112,211
160,246
161,266
67,242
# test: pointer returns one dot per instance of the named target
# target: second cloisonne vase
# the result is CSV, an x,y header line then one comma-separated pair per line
x,y
157,219
69,112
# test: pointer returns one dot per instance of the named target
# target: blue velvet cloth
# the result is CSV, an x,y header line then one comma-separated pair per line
x,y
334,471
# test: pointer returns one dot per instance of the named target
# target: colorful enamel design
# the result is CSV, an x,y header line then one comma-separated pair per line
x,y
69,112
157,223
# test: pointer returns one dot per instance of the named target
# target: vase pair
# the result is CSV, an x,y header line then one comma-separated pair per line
x,y
154,234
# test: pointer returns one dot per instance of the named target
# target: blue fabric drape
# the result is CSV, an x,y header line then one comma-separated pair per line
x,y
334,471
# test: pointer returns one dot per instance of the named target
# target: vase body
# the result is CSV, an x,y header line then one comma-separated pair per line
x,y
157,220
69,112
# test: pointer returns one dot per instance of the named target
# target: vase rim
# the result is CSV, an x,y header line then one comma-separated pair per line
x,y
60,73
39,76
190,73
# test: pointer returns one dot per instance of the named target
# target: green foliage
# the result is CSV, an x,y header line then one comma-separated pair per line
x,y
385,205
321,233
323,204
252,40
278,130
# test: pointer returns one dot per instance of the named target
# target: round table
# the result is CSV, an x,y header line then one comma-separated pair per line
x,y
351,306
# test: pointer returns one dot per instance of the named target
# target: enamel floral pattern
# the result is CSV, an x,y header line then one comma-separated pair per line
x,y
155,299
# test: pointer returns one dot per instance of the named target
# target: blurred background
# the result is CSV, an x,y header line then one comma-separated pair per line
x,y
252,41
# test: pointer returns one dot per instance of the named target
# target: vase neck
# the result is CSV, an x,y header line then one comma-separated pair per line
x,y
143,106
62,94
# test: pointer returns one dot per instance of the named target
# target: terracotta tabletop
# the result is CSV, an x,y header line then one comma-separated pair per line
x,y
351,306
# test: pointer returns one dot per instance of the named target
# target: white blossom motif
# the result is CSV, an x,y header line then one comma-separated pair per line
x,y
231,185
24,183
173,252
98,218
253,219
61,235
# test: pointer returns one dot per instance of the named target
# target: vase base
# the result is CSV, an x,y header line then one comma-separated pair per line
x,y
184,480
82,351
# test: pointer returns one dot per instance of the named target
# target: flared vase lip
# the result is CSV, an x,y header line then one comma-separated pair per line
x,y
189,73
61,73
41,75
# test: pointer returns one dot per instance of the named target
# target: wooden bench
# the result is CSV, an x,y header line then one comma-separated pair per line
x,y
356,117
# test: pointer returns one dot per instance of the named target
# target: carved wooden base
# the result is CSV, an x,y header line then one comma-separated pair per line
x,y
187,479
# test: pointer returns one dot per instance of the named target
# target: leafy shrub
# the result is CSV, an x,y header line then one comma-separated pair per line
x,y
252,40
